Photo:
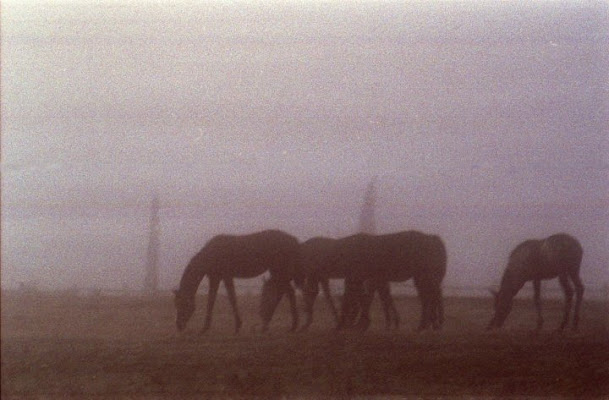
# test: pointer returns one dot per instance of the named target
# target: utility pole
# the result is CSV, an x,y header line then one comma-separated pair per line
x,y
151,281
367,222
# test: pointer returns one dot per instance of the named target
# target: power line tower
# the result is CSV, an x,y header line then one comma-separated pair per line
x,y
151,280
367,221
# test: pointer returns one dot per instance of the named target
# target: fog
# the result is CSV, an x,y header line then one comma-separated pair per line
x,y
485,123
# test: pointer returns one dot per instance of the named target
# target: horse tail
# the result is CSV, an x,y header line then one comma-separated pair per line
x,y
438,258
442,257
438,271
440,307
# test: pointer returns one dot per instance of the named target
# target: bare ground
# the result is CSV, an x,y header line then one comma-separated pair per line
x,y
58,346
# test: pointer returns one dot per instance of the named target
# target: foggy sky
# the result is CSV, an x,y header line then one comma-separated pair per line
x,y
484,122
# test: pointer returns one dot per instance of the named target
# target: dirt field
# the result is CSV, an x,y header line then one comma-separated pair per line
x,y
113,347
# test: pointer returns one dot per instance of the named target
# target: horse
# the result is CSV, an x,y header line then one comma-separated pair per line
x,y
559,256
397,257
226,257
321,265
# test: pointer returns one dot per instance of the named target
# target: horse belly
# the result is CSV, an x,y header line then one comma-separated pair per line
x,y
240,266
547,271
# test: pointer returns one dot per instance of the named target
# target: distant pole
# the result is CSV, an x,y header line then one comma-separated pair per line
x,y
606,292
151,282
367,222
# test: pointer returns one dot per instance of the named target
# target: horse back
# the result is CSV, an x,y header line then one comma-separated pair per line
x,y
414,247
247,256
399,256
562,251
318,255
546,258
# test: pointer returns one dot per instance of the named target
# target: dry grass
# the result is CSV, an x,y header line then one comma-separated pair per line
x,y
61,346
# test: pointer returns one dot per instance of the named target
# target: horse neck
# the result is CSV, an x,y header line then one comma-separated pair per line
x,y
192,277
512,282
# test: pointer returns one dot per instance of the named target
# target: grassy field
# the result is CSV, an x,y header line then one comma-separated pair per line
x,y
58,346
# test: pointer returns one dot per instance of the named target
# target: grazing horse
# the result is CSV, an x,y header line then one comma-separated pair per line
x,y
226,257
396,257
321,263
559,256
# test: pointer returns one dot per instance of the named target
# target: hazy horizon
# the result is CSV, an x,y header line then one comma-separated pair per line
x,y
486,123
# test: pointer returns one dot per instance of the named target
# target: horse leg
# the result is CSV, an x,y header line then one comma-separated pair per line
x,y
366,295
310,294
346,306
391,315
350,304
579,294
437,309
382,290
424,298
566,287
230,288
394,311
211,300
292,298
425,312
435,306
326,289
440,306
278,290
537,301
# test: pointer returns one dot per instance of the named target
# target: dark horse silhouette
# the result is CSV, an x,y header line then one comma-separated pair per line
x,y
226,257
559,256
396,257
321,262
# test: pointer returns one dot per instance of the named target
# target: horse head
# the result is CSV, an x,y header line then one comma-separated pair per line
x,y
503,306
185,307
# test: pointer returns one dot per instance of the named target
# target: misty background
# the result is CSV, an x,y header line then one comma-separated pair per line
x,y
484,122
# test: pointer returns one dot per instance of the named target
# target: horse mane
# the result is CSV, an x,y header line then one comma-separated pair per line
x,y
193,274
531,244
